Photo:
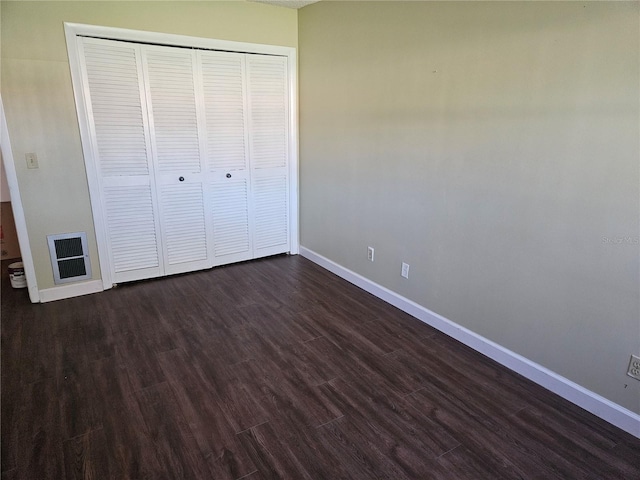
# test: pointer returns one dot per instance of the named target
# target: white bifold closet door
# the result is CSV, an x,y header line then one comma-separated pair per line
x,y
269,140
121,144
246,105
227,137
191,149
175,125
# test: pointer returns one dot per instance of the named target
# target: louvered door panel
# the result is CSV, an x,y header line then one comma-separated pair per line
x,y
112,71
270,196
173,109
120,135
223,85
184,227
132,232
176,133
224,99
269,152
230,213
269,110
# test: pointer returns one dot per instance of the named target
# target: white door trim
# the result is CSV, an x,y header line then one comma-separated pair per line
x,y
74,31
294,243
18,210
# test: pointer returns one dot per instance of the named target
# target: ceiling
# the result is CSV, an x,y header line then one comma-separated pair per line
x,y
288,3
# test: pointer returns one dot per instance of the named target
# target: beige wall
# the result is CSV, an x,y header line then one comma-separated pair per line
x,y
493,147
38,97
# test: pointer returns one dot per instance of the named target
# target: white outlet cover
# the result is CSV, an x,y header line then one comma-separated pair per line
x,y
634,367
405,270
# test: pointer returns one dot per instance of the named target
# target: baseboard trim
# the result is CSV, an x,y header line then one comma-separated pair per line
x,y
69,291
571,391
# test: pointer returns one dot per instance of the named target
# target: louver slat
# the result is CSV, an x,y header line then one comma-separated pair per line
x,y
224,108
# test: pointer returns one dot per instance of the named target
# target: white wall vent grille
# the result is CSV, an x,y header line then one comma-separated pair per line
x,y
69,257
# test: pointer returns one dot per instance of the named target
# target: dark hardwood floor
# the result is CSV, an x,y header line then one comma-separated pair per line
x,y
273,369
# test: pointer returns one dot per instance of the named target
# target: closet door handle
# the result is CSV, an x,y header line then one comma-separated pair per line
x,y
228,175
181,179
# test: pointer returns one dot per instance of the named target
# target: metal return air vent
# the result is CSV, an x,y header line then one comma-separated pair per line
x,y
69,257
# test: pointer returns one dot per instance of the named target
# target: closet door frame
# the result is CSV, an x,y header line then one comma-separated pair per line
x,y
74,33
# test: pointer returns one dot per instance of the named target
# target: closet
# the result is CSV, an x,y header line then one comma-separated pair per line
x,y
191,154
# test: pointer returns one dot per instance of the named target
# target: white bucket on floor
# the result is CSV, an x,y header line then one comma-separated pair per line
x,y
16,275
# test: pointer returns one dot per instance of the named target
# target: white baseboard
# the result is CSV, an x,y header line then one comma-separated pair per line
x,y
584,398
70,290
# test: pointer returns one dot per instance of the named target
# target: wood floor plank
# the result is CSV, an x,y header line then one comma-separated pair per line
x,y
239,398
311,368
36,350
472,366
253,476
308,448
360,356
573,447
390,337
290,327
485,435
137,347
11,419
10,474
291,397
200,406
627,453
430,366
11,346
80,410
359,450
335,324
269,369
464,464
39,447
273,458
175,447
123,423
359,399
574,419
86,457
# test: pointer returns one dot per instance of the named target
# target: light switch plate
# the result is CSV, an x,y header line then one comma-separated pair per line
x,y
32,160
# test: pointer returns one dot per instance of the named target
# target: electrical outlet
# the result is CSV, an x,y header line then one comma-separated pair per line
x,y
405,270
32,160
634,367
370,253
